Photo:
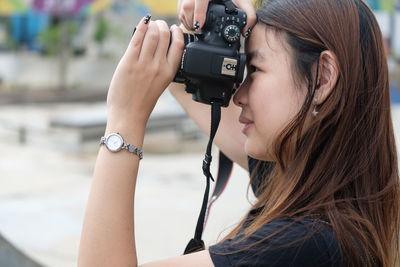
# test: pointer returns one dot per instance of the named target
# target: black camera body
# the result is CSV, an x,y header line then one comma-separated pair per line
x,y
212,64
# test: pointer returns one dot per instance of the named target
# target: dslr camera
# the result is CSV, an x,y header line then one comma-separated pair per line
x,y
212,65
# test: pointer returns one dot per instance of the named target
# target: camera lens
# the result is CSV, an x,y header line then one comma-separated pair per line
x,y
232,33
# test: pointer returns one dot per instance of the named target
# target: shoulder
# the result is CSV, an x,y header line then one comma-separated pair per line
x,y
283,242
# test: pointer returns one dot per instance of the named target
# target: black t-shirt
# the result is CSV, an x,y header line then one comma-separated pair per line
x,y
306,242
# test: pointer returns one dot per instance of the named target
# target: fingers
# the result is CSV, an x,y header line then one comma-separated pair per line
x,y
163,42
247,7
135,45
176,49
150,42
192,13
186,11
200,10
155,44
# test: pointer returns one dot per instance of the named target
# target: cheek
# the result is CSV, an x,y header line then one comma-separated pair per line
x,y
274,104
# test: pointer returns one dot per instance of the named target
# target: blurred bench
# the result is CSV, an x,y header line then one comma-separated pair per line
x,y
92,128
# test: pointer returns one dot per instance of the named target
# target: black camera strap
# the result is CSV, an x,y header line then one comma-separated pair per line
x,y
225,167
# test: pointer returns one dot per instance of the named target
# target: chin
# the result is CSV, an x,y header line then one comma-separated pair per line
x,y
257,151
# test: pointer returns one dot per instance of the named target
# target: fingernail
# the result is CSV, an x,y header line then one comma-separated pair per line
x,y
247,33
196,26
147,19
134,30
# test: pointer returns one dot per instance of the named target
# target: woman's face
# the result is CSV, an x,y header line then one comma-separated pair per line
x,y
268,97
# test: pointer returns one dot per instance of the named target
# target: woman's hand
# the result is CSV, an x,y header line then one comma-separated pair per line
x,y
143,73
192,11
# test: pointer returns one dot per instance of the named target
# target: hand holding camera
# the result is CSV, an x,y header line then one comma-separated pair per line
x,y
149,64
212,64
143,73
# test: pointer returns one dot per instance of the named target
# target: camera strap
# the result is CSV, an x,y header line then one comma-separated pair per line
x,y
224,172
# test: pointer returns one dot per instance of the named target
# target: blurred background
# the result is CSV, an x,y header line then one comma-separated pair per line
x,y
57,58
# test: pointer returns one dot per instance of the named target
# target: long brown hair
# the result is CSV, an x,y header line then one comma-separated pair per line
x,y
344,164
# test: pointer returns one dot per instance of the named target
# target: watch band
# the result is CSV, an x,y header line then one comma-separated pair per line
x,y
130,148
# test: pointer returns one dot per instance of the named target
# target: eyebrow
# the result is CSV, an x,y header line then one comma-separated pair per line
x,y
255,55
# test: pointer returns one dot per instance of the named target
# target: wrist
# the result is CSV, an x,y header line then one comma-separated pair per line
x,y
132,131
115,143
123,116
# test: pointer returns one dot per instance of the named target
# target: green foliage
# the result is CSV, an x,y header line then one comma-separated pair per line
x,y
102,31
51,38
10,44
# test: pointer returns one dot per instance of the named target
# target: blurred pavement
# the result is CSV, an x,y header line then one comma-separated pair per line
x,y
44,193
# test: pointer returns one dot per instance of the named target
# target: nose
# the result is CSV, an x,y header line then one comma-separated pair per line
x,y
241,97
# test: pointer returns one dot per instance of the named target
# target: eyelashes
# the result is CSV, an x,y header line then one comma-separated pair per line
x,y
252,68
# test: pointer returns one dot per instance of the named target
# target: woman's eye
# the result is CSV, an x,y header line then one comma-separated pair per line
x,y
253,68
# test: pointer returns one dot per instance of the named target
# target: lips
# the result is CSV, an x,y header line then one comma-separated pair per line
x,y
244,120
247,123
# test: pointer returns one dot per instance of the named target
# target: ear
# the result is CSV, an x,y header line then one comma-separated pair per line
x,y
327,77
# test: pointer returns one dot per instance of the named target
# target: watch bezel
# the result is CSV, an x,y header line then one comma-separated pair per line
x,y
119,137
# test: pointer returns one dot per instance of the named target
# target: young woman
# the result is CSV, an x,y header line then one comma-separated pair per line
x,y
315,103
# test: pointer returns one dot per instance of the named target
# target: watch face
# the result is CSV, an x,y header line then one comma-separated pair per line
x,y
114,142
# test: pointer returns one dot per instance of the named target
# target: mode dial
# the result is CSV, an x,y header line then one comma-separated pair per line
x,y
232,33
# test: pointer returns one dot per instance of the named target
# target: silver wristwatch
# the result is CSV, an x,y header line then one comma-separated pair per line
x,y
114,142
